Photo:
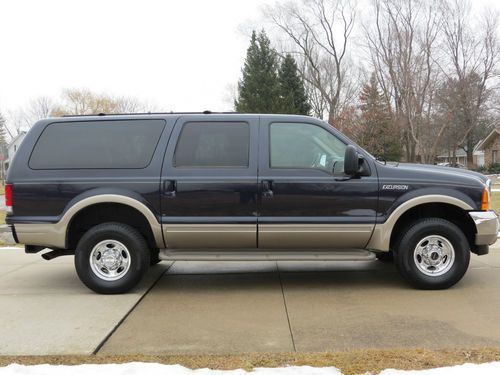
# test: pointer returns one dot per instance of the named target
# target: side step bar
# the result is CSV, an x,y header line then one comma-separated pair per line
x,y
246,254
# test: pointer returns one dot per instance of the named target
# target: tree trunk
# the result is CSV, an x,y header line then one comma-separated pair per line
x,y
470,151
331,119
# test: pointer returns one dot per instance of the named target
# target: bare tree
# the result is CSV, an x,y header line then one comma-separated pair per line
x,y
130,104
72,102
472,54
318,32
86,102
16,121
40,108
25,117
402,44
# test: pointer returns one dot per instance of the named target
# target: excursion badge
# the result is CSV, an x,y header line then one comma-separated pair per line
x,y
395,187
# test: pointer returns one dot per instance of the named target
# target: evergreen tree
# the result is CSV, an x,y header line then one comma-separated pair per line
x,y
258,89
378,133
292,92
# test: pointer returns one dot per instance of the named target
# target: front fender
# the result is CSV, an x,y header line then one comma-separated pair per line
x,y
382,232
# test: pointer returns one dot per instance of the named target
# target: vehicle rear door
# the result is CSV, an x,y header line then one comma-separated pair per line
x,y
209,182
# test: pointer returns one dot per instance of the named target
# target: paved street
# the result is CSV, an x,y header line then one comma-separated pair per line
x,y
232,307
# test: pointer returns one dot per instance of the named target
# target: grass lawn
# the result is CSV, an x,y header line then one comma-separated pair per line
x,y
495,201
349,362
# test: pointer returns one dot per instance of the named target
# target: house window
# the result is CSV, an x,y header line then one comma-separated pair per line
x,y
494,156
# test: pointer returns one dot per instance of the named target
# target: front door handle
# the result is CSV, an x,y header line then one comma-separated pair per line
x,y
169,188
267,189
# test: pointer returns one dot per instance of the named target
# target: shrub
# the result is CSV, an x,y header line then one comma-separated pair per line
x,y
494,168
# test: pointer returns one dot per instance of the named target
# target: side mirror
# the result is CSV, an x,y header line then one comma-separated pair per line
x,y
351,161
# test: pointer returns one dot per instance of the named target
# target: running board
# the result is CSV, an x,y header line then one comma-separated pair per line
x,y
244,254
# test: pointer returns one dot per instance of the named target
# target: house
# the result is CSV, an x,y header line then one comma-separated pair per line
x,y
12,147
461,157
491,147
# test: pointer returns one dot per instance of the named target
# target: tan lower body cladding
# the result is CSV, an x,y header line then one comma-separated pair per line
x,y
331,236
179,236
314,235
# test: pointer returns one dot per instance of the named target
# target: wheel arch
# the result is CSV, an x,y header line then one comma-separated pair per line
x,y
434,205
118,204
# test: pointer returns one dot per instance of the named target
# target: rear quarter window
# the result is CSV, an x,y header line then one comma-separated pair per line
x,y
97,144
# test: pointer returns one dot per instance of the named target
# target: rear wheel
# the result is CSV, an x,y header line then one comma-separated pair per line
x,y
111,258
433,254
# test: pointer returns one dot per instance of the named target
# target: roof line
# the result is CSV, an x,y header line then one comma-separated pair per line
x,y
485,140
152,113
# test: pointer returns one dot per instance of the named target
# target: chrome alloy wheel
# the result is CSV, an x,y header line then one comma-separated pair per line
x,y
110,260
434,255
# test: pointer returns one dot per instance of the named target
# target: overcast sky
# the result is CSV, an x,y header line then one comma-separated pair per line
x,y
177,55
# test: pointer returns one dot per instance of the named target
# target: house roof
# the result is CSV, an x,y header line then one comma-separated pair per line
x,y
460,153
481,145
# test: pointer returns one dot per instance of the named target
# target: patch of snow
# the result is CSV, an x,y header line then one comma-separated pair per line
x,y
137,368
492,368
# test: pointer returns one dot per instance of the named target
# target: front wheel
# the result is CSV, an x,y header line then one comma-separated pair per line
x,y
385,257
433,254
111,258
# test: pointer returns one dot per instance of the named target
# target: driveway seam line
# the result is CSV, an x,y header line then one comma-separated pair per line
x,y
286,308
17,269
120,322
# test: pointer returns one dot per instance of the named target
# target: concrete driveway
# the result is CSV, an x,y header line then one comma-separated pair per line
x,y
234,307
45,309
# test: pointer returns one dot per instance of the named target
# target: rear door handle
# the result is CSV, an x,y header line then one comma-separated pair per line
x,y
169,188
267,189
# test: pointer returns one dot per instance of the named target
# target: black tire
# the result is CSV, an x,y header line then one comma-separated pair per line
x,y
154,257
136,254
407,246
385,257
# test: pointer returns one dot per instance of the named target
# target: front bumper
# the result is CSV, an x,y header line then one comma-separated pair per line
x,y
487,226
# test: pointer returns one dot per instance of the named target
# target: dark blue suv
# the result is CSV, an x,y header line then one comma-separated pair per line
x,y
122,192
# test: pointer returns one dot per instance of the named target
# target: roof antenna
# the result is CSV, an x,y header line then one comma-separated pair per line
x,y
207,112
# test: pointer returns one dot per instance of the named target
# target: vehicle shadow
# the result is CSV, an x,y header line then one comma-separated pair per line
x,y
211,276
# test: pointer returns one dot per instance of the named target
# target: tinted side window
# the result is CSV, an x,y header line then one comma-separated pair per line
x,y
305,146
97,144
213,144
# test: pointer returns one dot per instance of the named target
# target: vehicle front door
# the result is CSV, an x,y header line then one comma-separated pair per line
x,y
306,200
